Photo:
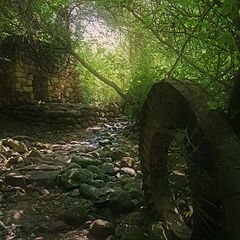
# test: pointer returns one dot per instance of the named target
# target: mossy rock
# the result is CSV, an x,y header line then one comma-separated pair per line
x,y
134,233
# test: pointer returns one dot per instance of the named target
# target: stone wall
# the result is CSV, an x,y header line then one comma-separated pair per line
x,y
60,115
23,81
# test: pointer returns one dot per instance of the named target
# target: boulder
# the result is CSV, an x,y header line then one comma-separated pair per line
x,y
74,216
89,191
108,168
120,201
101,229
75,177
129,171
84,162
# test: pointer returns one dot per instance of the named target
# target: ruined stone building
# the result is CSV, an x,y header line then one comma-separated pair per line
x,y
24,80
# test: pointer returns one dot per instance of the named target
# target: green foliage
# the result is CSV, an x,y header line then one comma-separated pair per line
x,y
110,62
138,90
183,39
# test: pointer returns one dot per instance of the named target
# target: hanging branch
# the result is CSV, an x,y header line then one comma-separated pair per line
x,y
167,44
188,39
100,76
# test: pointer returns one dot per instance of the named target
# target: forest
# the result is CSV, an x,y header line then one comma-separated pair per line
x,y
124,112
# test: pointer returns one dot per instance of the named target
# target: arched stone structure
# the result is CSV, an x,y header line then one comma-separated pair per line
x,y
178,112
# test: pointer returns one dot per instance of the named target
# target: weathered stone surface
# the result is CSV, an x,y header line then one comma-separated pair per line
x,y
128,170
120,201
84,162
46,177
89,191
101,229
75,177
108,168
74,216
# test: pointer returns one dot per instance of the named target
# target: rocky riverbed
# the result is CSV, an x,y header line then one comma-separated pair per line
x,y
70,183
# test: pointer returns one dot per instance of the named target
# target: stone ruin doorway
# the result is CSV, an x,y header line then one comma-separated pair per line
x,y
40,87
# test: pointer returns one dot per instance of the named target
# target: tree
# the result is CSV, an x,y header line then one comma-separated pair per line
x,y
56,22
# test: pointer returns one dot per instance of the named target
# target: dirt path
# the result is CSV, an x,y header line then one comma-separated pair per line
x,y
69,183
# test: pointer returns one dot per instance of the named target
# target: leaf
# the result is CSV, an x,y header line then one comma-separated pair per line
x,y
236,58
212,105
227,7
203,34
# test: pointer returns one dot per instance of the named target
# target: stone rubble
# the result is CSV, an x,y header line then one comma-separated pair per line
x,y
82,185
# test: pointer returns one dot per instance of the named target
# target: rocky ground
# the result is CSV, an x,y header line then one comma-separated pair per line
x,y
70,183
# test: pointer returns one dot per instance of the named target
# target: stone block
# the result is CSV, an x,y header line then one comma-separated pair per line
x,y
27,89
19,75
19,90
55,79
29,82
18,67
18,86
20,80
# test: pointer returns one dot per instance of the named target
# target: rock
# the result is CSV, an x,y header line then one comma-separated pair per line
x,y
128,185
117,154
94,169
75,216
15,179
46,177
59,225
34,153
89,191
108,168
129,171
98,183
104,142
107,149
75,177
113,185
106,159
86,155
73,165
134,233
137,166
134,218
127,162
95,154
15,145
100,229
104,154
75,193
2,226
178,178
43,167
157,232
120,201
14,161
84,162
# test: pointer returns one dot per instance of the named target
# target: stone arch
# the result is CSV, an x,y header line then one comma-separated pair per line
x,y
177,112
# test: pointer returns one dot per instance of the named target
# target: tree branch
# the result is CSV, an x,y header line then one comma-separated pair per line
x,y
188,39
99,76
167,44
